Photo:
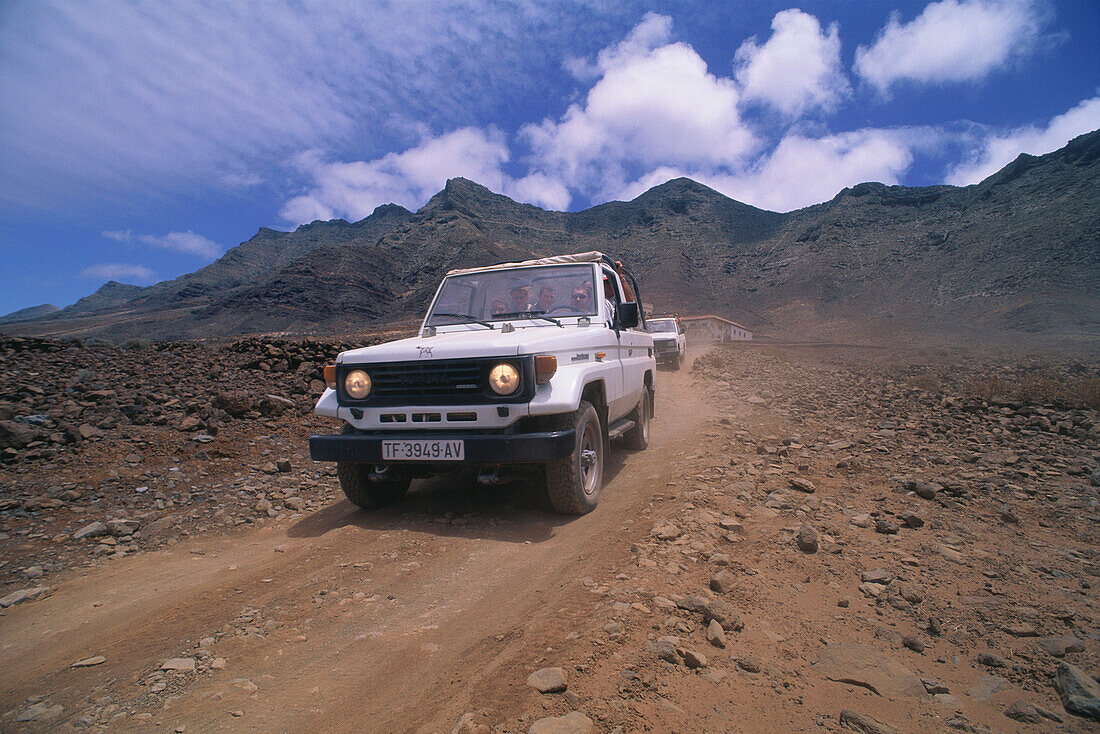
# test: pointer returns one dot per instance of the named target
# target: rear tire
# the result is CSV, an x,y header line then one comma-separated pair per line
x,y
637,438
573,484
368,495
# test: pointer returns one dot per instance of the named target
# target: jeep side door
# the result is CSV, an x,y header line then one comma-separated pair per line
x,y
635,350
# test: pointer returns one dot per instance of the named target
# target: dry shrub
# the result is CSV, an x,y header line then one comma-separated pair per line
x,y
1083,393
135,344
1044,389
1088,393
1039,388
987,387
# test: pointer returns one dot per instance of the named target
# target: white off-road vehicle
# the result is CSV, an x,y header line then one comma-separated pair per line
x,y
525,369
669,340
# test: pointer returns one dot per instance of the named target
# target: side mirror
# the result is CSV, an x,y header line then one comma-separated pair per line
x,y
628,314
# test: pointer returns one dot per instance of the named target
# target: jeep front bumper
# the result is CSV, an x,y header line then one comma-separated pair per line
x,y
512,448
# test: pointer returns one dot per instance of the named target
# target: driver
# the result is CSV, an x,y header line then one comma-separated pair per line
x,y
519,299
546,298
499,307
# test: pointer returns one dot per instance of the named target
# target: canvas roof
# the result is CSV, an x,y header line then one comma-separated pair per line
x,y
581,257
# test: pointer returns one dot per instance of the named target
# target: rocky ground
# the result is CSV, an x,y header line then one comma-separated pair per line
x,y
883,542
818,539
108,450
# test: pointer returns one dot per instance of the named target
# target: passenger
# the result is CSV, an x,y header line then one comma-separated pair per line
x,y
546,298
609,299
628,292
580,299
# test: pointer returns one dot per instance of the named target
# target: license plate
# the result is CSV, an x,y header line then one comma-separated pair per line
x,y
424,450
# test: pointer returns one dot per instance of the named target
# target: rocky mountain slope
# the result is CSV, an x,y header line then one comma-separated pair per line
x,y
30,313
1013,257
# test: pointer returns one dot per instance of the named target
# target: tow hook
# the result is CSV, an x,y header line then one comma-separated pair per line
x,y
380,473
490,477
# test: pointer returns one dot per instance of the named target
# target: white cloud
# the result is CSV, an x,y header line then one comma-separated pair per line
x,y
123,272
950,41
654,104
187,242
801,171
242,180
797,69
542,190
103,99
654,30
998,150
119,235
655,112
352,190
804,171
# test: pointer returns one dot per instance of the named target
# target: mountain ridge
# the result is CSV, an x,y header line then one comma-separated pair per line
x,y
1013,254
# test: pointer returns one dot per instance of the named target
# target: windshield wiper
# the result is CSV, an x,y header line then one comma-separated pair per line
x,y
528,315
466,318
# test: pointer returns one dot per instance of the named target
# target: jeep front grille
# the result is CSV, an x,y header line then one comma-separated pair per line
x,y
442,382
427,381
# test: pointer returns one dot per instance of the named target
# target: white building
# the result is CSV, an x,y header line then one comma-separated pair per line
x,y
715,328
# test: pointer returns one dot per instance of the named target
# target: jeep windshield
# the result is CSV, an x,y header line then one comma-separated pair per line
x,y
545,292
654,326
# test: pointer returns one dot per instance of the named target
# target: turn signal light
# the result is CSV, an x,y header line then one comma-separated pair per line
x,y
545,367
330,376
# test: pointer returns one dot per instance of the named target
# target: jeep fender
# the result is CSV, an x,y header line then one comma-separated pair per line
x,y
565,390
327,406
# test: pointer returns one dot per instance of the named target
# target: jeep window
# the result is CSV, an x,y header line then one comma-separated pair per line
x,y
456,299
558,291
654,326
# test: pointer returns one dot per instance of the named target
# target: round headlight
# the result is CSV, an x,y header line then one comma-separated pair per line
x,y
504,379
357,384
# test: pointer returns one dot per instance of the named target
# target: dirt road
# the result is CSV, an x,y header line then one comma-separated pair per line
x,y
341,620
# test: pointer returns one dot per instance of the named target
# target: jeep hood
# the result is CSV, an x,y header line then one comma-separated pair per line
x,y
478,343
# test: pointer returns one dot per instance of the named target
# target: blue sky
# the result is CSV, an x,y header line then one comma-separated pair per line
x,y
141,140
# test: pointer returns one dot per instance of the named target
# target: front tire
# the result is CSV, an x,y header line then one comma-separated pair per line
x,y
368,495
678,362
573,484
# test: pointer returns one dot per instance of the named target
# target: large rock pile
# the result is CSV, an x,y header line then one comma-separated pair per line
x,y
106,449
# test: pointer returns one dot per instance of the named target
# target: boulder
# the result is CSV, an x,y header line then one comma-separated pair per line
x,y
547,680
91,530
572,723
863,665
864,724
1080,693
16,435
234,402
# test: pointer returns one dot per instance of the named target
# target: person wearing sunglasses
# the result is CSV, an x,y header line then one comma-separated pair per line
x,y
580,299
